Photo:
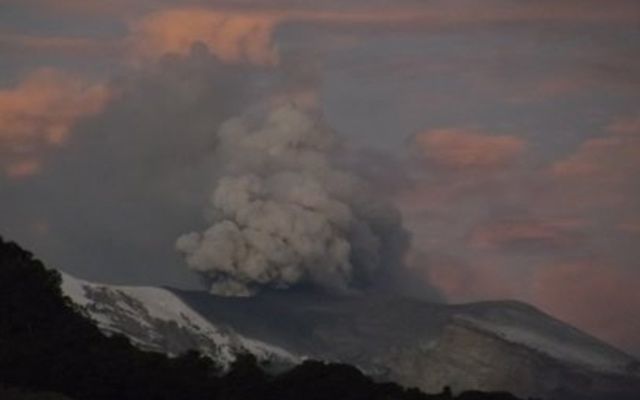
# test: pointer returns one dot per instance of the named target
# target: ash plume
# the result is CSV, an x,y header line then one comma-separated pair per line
x,y
282,213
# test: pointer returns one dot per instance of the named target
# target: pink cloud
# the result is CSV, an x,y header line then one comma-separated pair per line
x,y
600,173
609,159
583,205
238,32
513,234
468,149
240,35
19,43
40,112
613,157
232,36
22,168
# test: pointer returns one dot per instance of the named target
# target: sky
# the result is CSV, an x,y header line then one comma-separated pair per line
x,y
505,133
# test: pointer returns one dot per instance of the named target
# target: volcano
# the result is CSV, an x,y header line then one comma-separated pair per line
x,y
490,346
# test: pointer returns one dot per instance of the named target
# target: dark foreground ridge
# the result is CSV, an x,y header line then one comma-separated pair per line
x,y
50,350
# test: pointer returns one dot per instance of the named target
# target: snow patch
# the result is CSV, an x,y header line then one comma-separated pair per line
x,y
112,306
550,337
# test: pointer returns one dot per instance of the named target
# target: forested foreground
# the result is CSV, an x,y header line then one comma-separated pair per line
x,y
50,350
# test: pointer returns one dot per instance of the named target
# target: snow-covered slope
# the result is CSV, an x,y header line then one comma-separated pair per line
x,y
156,319
523,324
490,346
502,345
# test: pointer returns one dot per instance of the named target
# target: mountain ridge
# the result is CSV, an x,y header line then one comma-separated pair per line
x,y
492,346
50,349
156,320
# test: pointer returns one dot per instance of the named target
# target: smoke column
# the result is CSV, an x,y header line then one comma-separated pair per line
x,y
282,213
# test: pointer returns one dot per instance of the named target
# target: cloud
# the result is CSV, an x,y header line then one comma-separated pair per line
x,y
237,33
607,161
39,113
23,168
601,171
131,178
528,234
232,36
136,175
235,36
455,11
610,158
461,149
78,7
282,213
245,32
16,44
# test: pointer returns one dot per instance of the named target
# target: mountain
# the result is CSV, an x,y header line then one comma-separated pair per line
x,y
490,346
155,319
509,346
49,349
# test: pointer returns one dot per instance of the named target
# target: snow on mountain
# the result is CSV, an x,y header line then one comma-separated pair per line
x,y
523,324
155,319
492,346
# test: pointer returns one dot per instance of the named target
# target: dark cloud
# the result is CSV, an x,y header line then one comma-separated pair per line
x,y
138,175
132,179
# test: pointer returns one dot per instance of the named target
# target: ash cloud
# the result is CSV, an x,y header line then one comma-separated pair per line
x,y
282,213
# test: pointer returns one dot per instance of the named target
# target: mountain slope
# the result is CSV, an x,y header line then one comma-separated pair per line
x,y
507,346
155,319
490,346
50,350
